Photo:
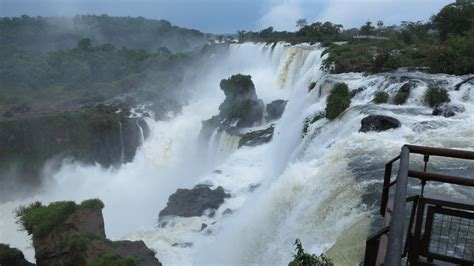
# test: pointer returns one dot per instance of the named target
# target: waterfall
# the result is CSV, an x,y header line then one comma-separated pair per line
x,y
320,188
142,136
122,150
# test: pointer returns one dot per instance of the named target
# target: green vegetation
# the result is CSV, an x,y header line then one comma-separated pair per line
x,y
45,34
237,85
435,95
316,32
79,241
381,97
112,259
85,74
39,220
442,45
401,97
304,259
9,255
338,100
95,204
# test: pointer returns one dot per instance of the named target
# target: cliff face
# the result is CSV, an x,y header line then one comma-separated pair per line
x,y
101,135
68,234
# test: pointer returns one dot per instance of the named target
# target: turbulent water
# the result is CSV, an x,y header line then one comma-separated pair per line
x,y
322,188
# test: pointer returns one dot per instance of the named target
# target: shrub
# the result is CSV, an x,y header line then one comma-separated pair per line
x,y
435,95
9,255
401,97
95,204
381,97
113,259
304,259
39,220
338,100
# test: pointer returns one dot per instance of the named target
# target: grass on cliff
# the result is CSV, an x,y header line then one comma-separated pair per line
x,y
338,100
39,220
381,97
112,259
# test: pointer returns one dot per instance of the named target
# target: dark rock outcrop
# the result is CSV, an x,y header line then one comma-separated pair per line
x,y
448,109
12,256
68,234
357,91
194,202
404,92
378,123
240,109
311,120
275,109
257,137
458,86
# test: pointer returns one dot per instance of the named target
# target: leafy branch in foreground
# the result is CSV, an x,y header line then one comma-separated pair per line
x,y
304,259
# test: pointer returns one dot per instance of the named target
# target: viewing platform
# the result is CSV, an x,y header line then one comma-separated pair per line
x,y
423,229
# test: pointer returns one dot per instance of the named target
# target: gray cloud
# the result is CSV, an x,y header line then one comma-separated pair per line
x,y
228,16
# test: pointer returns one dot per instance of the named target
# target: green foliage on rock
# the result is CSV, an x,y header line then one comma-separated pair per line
x,y
112,259
381,97
401,97
436,95
95,204
338,100
38,220
305,259
237,85
9,255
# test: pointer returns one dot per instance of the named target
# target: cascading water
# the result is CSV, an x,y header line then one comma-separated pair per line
x,y
318,188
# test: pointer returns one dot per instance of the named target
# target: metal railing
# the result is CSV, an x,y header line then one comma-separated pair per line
x,y
387,246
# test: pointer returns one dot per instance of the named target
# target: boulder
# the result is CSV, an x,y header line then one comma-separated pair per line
x,y
12,256
257,137
357,91
448,109
275,109
378,123
68,234
194,202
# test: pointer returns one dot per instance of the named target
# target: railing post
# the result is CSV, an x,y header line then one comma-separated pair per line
x,y
395,239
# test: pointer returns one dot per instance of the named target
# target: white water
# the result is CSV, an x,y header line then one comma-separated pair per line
x,y
308,188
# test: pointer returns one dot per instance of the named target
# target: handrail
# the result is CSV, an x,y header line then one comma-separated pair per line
x,y
395,238
397,223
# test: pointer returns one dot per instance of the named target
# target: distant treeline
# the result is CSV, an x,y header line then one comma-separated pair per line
x,y
87,70
52,33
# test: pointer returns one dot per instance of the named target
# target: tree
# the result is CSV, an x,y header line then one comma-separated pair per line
x,y
367,29
301,23
380,26
84,44
454,20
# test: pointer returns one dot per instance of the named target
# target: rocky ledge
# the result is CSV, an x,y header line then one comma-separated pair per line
x,y
66,233
194,202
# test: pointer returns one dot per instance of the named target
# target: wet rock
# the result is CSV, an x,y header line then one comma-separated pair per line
x,y
12,256
183,245
275,109
203,226
227,212
358,90
404,92
458,86
253,187
193,202
378,123
448,109
257,137
217,171
311,120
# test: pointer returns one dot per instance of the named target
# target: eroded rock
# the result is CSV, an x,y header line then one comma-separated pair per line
x,y
378,123
448,109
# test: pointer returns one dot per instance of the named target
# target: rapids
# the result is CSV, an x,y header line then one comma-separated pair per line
x,y
322,189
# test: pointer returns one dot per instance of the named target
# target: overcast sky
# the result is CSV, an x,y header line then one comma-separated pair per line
x,y
228,16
